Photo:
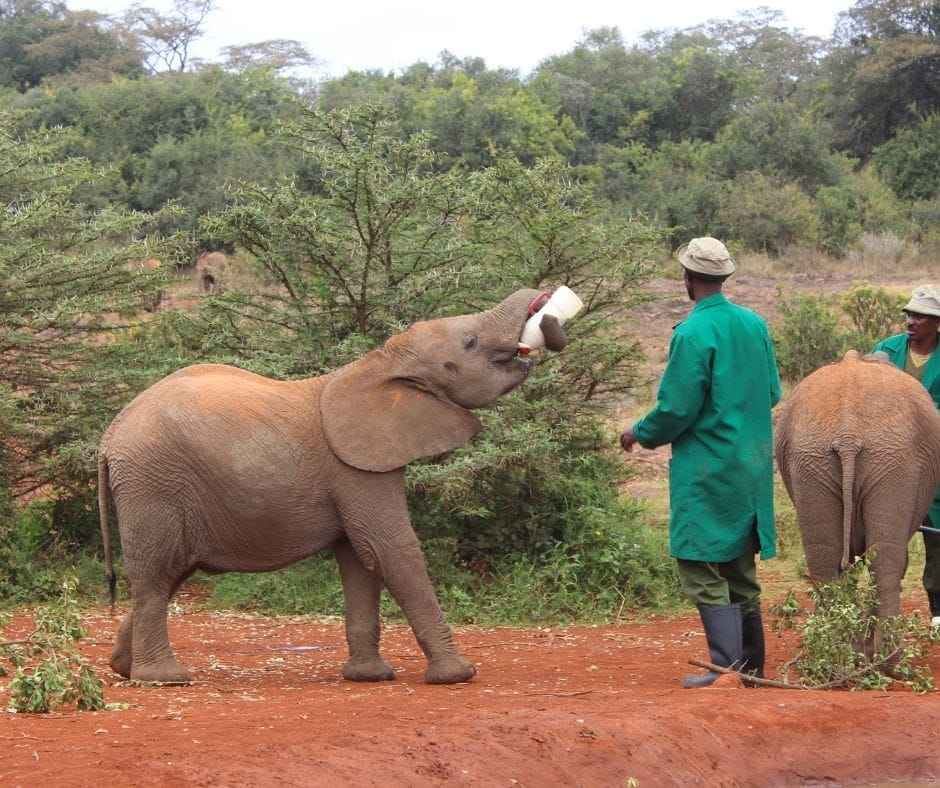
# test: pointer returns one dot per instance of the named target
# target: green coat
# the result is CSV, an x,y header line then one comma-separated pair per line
x,y
896,348
713,406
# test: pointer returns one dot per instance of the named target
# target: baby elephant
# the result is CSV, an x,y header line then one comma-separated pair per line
x,y
858,447
222,470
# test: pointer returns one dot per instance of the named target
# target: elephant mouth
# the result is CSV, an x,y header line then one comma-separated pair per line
x,y
519,358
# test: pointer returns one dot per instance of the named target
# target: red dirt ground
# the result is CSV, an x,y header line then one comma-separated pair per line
x,y
570,706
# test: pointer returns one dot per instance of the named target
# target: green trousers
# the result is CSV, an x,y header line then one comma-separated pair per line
x,y
709,584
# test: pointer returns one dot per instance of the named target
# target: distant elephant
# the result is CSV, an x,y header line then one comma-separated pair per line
x,y
210,268
219,469
858,447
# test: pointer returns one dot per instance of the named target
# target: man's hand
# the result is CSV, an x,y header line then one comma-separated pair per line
x,y
627,439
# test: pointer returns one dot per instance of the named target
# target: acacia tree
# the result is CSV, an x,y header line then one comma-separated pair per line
x,y
168,37
64,282
375,237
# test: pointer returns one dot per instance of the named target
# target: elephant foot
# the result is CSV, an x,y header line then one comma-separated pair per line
x,y
120,663
376,669
452,670
167,672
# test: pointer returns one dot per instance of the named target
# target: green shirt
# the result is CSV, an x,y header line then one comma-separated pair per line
x,y
714,407
896,347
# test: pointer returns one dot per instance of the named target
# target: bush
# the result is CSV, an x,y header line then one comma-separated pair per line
x,y
310,586
48,670
38,548
832,636
809,336
910,162
875,314
766,214
839,214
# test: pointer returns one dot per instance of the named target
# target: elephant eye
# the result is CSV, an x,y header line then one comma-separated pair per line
x,y
469,342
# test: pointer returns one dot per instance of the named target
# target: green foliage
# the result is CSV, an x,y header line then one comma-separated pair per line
x,y
843,644
925,220
910,162
780,143
42,40
48,669
43,542
381,237
809,335
311,587
765,214
839,213
608,562
64,278
818,330
882,77
875,314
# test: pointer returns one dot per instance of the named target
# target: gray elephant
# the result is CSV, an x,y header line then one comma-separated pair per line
x,y
219,469
210,267
858,446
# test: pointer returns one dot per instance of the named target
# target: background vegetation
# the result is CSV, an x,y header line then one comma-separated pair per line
x,y
353,206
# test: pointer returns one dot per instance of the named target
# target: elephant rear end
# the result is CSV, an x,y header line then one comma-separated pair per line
x,y
858,448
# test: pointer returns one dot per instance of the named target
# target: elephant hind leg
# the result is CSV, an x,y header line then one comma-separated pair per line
x,y
122,656
361,589
153,658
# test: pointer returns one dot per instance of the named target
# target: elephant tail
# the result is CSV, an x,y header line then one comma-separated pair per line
x,y
104,487
847,452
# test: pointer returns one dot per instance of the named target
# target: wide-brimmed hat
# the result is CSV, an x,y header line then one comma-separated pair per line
x,y
924,301
706,256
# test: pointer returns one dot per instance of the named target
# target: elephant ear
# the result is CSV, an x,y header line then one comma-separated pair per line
x,y
376,421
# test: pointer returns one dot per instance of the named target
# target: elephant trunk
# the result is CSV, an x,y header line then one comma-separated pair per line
x,y
511,314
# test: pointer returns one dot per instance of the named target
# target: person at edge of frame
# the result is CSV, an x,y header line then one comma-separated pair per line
x,y
915,352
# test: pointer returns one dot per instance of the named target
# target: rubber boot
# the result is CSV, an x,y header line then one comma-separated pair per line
x,y
933,598
722,627
752,645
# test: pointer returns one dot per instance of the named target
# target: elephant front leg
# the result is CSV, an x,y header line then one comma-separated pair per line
x,y
407,580
361,589
383,538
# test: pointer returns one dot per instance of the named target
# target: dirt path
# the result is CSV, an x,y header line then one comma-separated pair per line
x,y
572,706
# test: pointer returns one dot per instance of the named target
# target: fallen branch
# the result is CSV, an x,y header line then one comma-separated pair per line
x,y
840,682
748,677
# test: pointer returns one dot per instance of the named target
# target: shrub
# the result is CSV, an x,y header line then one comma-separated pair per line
x,y
831,638
875,314
766,214
838,211
809,336
38,548
48,670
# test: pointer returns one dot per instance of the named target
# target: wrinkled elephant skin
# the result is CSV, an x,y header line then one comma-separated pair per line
x,y
858,447
217,469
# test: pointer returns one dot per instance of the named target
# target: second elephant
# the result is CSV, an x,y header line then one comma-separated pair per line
x,y
858,448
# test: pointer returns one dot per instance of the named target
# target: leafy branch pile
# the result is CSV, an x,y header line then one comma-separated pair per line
x,y
48,670
843,644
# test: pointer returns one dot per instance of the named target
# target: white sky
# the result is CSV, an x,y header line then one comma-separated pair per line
x,y
390,35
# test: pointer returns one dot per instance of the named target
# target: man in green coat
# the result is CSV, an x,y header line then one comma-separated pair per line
x,y
714,407
915,351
